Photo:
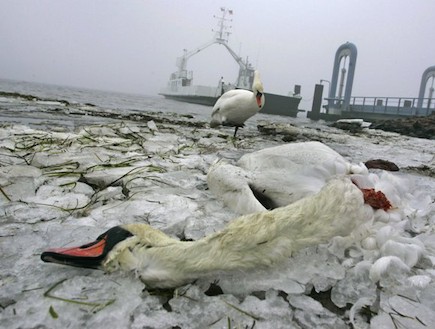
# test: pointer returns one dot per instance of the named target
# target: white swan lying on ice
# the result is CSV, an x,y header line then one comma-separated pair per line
x,y
277,176
251,241
266,238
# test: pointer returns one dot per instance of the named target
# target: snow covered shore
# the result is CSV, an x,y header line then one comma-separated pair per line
x,y
61,187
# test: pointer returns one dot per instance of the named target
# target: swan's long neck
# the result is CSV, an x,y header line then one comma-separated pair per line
x,y
259,239
257,84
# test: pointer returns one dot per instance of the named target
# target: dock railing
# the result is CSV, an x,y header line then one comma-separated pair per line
x,y
405,106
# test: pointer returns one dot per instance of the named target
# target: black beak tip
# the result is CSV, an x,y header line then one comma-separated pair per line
x,y
83,262
45,257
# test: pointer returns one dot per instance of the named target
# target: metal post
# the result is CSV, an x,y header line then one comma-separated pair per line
x,y
317,102
343,75
431,90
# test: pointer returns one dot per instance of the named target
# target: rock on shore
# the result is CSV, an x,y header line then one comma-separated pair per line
x,y
422,127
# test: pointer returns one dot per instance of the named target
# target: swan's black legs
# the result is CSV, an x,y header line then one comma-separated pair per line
x,y
235,131
237,128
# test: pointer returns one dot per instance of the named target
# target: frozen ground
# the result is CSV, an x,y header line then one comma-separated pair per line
x,y
65,180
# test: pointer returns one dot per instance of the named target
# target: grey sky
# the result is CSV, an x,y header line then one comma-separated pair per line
x,y
132,45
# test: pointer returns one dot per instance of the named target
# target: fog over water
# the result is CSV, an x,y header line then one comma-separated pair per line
x,y
131,46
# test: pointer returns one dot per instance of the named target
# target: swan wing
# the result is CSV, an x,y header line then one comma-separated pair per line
x,y
225,98
234,108
277,176
290,156
231,185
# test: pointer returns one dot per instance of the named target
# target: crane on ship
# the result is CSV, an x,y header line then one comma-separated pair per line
x,y
246,70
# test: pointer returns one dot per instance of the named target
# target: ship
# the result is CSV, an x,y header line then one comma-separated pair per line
x,y
180,86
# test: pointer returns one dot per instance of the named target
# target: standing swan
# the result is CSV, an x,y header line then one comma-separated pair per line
x,y
250,241
236,106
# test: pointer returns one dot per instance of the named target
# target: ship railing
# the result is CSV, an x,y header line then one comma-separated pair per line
x,y
405,106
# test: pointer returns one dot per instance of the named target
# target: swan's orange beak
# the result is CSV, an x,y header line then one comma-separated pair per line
x,y
89,255
93,249
258,98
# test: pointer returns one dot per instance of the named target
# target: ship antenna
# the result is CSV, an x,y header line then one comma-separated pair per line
x,y
222,33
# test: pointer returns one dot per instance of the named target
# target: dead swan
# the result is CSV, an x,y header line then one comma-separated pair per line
x,y
250,241
277,176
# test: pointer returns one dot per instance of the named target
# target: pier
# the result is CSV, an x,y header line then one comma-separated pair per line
x,y
341,104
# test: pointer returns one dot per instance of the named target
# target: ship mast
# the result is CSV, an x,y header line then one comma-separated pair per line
x,y
246,71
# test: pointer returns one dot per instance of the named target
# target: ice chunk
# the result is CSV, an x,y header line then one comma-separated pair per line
x,y
409,253
382,321
19,182
369,243
385,233
32,213
419,281
358,321
188,306
315,265
311,314
151,314
161,143
408,312
63,198
354,286
8,173
427,296
152,125
272,312
388,270
241,284
106,177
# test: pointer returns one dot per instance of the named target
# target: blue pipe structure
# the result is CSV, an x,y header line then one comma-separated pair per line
x,y
337,104
427,74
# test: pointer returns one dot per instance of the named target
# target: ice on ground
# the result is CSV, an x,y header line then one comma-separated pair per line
x,y
310,313
65,188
